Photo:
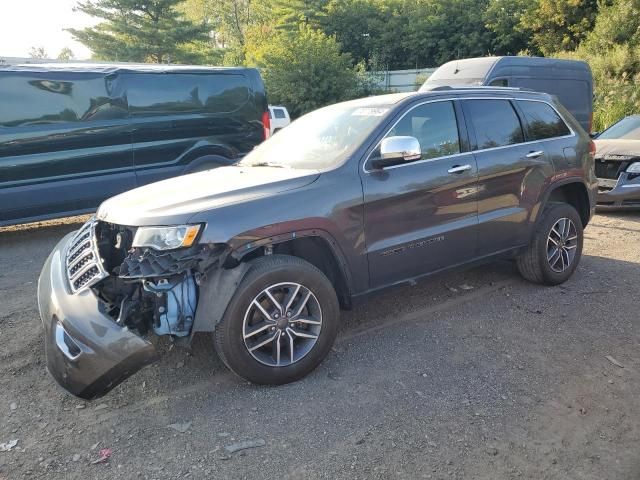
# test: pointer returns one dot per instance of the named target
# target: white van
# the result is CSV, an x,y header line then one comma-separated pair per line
x,y
279,117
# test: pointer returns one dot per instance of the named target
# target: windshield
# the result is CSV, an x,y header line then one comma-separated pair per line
x,y
319,140
628,128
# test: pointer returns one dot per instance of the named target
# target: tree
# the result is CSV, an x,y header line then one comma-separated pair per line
x,y
38,52
140,31
559,25
303,70
66,54
503,19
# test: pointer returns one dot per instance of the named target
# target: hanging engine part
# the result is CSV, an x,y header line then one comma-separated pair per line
x,y
176,301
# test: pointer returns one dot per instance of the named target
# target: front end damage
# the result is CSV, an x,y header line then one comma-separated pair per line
x,y
618,181
101,299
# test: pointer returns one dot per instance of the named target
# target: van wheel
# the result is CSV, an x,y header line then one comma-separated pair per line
x,y
280,323
556,246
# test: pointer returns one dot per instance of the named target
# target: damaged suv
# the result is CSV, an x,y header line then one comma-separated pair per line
x,y
346,201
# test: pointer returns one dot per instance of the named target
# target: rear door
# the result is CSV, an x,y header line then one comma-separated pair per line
x,y
179,118
421,216
511,173
65,144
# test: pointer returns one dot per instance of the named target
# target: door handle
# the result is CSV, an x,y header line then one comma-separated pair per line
x,y
459,168
535,154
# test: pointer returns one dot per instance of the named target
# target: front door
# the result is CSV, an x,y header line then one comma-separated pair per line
x,y
422,216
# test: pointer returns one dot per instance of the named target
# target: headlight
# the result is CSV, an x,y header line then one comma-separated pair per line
x,y
634,168
166,238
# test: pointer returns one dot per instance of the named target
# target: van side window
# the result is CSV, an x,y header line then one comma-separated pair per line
x,y
162,94
499,82
542,120
495,123
434,125
279,113
36,99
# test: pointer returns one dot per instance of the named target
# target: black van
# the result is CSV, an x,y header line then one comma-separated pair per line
x,y
569,80
72,135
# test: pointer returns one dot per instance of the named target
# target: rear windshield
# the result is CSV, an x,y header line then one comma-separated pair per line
x,y
161,94
628,129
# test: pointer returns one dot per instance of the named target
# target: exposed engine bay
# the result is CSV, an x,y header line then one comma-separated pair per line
x,y
150,290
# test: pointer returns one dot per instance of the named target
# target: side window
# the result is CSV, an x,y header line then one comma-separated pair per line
x,y
542,120
163,94
499,82
434,125
495,123
51,98
279,113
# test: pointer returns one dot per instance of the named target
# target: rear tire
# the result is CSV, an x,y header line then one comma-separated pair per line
x,y
556,246
280,323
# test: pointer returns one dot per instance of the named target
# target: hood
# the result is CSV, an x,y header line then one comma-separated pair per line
x,y
617,149
177,199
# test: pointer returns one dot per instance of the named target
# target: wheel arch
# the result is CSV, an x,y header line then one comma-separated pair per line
x,y
315,246
571,191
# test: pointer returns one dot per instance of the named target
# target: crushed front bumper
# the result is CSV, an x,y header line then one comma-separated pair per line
x,y
623,193
87,352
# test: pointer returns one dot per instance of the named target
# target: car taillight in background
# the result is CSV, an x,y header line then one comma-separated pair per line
x,y
592,148
266,124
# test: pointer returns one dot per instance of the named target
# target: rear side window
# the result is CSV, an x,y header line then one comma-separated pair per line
x,y
495,123
435,127
54,98
542,120
164,94
279,113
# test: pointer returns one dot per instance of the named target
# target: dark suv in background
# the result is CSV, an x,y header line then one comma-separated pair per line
x,y
73,135
346,201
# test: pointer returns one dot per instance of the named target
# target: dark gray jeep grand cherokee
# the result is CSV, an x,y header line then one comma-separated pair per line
x,y
348,200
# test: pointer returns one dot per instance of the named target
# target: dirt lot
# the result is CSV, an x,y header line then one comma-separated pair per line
x,y
468,375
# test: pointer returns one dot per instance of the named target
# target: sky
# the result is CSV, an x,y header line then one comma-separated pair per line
x,y
40,23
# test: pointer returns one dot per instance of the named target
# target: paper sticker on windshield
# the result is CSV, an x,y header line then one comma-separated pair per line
x,y
369,112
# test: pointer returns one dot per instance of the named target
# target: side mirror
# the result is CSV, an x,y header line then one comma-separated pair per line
x,y
397,150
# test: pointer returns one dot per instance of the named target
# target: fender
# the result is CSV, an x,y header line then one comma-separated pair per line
x,y
216,289
219,284
544,198
240,248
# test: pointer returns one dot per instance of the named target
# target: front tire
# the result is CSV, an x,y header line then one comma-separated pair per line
x,y
556,246
280,323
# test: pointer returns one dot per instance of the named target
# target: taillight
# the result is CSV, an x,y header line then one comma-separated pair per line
x,y
592,148
266,124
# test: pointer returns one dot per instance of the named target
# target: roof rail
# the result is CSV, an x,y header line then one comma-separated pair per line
x,y
438,88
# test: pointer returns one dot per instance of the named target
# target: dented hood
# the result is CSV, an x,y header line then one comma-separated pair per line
x,y
175,200
617,149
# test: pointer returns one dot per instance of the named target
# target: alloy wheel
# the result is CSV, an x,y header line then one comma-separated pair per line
x,y
282,324
562,243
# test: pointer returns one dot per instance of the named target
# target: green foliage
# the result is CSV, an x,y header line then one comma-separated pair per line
x,y
66,54
503,18
612,49
140,31
558,25
302,70
38,52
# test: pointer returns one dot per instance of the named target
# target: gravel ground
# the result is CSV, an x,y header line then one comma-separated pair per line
x,y
467,375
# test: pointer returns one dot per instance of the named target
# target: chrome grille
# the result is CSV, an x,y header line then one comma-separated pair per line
x,y
84,267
